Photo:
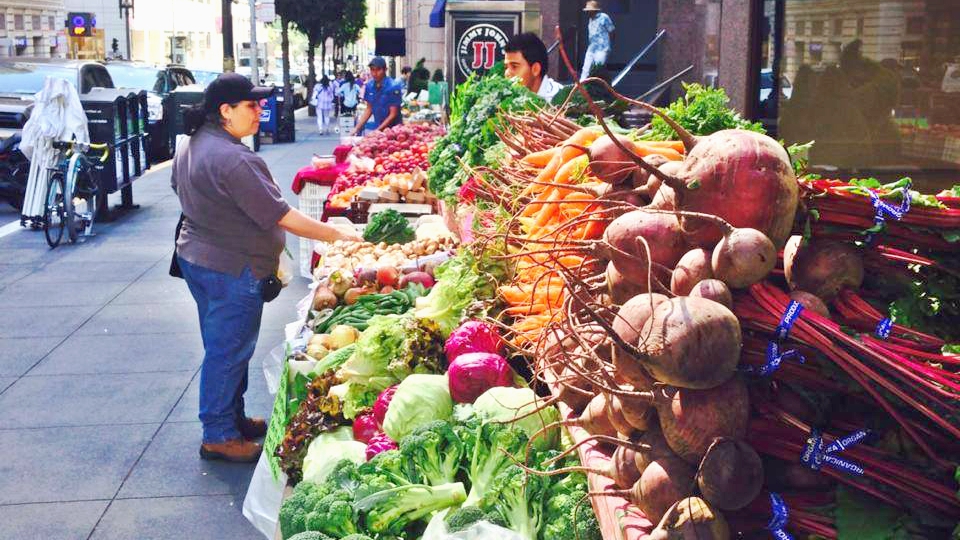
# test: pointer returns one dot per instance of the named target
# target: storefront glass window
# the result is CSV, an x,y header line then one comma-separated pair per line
x,y
879,92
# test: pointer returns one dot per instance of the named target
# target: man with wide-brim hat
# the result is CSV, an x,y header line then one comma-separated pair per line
x,y
600,31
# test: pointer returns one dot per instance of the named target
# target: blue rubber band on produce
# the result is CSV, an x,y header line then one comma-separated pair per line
x,y
778,522
815,455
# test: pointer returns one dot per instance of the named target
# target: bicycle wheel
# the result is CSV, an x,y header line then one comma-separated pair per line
x,y
54,211
83,203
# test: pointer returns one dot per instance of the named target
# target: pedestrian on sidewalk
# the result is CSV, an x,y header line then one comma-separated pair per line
x,y
600,34
323,96
234,223
350,94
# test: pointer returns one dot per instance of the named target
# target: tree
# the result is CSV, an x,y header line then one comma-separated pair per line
x,y
350,25
312,23
289,11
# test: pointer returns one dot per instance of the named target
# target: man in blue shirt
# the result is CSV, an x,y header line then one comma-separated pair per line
x,y
383,97
599,35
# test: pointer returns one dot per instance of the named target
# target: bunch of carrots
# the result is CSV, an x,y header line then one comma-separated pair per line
x,y
553,225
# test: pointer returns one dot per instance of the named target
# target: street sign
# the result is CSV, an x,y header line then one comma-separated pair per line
x,y
266,12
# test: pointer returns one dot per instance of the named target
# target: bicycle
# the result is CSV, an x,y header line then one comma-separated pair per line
x,y
72,191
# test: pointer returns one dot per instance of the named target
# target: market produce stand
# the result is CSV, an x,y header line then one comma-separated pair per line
x,y
621,335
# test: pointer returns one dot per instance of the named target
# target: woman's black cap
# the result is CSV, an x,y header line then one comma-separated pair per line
x,y
233,88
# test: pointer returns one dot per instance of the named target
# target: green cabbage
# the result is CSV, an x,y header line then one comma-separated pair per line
x,y
505,404
328,449
419,399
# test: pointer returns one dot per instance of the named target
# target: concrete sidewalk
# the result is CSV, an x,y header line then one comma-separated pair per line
x,y
99,358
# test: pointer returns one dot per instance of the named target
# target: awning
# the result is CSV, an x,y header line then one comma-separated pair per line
x,y
437,19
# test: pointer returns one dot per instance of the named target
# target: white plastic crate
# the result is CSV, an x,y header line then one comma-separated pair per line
x,y
311,202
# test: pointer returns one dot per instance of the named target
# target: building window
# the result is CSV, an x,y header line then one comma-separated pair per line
x,y
18,22
3,22
860,25
838,27
801,28
35,20
817,29
51,22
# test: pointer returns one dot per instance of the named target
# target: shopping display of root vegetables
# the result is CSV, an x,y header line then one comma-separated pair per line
x,y
665,333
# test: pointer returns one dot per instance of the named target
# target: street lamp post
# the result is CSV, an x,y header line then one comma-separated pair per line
x,y
126,6
226,25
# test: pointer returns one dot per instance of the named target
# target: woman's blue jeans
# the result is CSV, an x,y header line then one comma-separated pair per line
x,y
230,309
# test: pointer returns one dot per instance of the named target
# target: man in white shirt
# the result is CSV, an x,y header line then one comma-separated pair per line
x,y
525,57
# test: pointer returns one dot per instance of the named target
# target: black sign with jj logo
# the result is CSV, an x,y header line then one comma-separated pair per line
x,y
480,46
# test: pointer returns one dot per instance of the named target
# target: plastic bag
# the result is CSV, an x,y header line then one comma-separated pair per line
x,y
261,505
273,367
437,530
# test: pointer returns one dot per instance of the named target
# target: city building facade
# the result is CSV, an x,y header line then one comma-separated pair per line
x,y
32,28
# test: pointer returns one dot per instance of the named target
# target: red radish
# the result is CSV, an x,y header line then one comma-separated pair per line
x,y
731,474
629,321
743,257
422,278
692,419
692,268
811,302
691,519
822,268
628,237
689,342
387,276
714,289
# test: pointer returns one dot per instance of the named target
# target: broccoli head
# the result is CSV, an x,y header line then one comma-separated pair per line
x,y
356,536
294,510
489,448
466,516
393,464
517,497
567,511
435,450
390,511
333,514
310,535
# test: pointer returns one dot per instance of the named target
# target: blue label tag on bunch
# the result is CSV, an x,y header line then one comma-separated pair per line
x,y
775,356
780,515
883,210
883,328
815,456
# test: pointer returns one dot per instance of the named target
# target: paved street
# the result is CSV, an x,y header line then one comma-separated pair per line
x,y
99,358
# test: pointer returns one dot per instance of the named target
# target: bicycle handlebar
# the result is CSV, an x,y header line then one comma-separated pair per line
x,y
73,146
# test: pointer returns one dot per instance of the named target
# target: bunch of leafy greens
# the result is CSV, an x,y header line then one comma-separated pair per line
x,y
701,111
390,349
388,226
930,303
473,113
892,191
460,282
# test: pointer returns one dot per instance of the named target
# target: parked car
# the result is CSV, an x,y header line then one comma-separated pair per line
x,y
21,78
203,77
158,82
298,86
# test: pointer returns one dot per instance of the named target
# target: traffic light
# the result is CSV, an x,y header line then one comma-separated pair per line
x,y
81,24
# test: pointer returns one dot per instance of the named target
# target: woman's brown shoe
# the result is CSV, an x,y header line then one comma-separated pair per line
x,y
253,428
236,450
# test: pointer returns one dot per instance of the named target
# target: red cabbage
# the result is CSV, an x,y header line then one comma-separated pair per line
x,y
365,427
383,401
473,374
379,443
472,337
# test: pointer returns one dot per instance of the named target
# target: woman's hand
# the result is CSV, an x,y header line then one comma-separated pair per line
x,y
348,233
303,225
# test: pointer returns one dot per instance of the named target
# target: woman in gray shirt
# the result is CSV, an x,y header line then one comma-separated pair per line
x,y
232,235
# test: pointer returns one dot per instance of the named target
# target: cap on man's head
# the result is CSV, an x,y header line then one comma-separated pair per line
x,y
233,88
378,62
592,5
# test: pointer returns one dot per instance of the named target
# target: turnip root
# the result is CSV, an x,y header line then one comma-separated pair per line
x,y
714,289
623,467
665,198
822,268
743,257
691,519
608,162
630,319
690,342
743,177
621,289
811,302
692,268
654,447
628,238
664,482
692,419
637,411
594,418
615,415
648,184
570,388
730,475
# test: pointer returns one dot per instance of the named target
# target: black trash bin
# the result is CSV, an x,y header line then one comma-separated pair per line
x,y
181,99
107,112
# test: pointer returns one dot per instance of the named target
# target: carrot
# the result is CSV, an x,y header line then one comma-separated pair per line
x,y
549,209
644,150
541,158
526,309
534,206
575,166
676,145
567,151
